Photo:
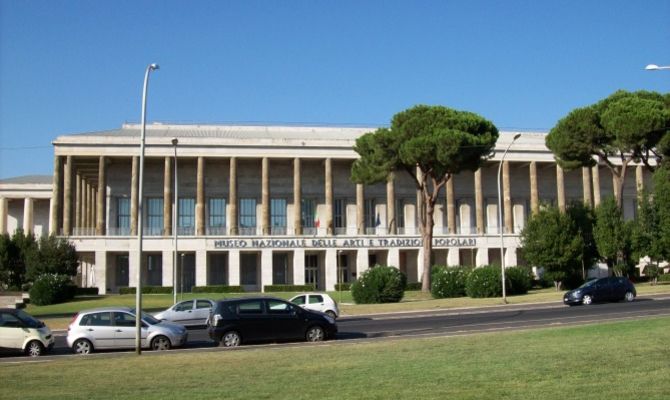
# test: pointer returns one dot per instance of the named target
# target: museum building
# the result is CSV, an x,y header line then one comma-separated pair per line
x,y
272,205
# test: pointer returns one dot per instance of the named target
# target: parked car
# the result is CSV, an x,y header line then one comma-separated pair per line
x,y
189,312
317,302
114,328
245,320
21,331
614,288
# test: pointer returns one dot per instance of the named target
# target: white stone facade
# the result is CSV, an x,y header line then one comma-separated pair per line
x,y
276,182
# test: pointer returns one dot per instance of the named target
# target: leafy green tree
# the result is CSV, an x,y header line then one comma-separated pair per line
x,y
20,252
661,199
646,234
584,219
620,129
55,256
552,240
437,140
612,234
6,255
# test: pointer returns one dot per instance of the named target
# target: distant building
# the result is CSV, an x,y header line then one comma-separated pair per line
x,y
261,205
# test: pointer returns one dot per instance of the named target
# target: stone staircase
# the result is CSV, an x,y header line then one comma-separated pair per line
x,y
13,299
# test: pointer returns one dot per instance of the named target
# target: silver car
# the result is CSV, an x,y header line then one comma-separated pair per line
x,y
114,328
189,312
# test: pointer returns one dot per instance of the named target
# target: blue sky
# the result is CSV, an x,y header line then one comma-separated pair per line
x,y
78,66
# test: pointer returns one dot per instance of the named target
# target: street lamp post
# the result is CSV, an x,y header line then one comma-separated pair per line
x,y
500,219
175,221
654,67
138,294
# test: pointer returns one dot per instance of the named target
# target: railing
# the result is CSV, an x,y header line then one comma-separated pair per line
x,y
153,231
216,230
248,231
79,231
116,231
278,231
186,231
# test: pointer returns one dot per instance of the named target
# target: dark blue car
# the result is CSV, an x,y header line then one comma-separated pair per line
x,y
614,288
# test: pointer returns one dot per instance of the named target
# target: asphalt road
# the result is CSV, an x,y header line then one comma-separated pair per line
x,y
443,323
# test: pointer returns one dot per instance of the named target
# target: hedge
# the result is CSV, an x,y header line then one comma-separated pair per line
x,y
484,282
147,290
87,291
380,284
448,282
288,288
664,278
217,289
345,287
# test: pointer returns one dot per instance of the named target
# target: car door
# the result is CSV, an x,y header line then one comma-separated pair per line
x,y
201,311
618,287
125,330
285,321
98,328
11,331
603,290
182,313
315,302
252,321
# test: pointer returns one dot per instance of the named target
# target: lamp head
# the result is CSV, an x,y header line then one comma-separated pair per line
x,y
518,135
175,141
154,66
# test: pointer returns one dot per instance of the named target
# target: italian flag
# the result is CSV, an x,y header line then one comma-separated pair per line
x,y
316,219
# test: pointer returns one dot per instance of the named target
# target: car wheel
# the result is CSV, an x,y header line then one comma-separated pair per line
x,y
35,348
230,339
160,343
587,299
315,334
629,296
82,346
332,314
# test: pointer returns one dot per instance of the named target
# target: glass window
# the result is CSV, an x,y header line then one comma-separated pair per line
x,y
203,304
247,213
400,213
339,213
371,219
8,320
315,298
124,319
186,217
96,319
278,213
308,210
123,212
217,212
250,307
154,215
300,300
185,306
278,307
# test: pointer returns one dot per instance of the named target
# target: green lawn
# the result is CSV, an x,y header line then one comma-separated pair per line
x,y
625,360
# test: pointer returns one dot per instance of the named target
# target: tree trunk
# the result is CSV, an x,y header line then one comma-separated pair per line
x,y
427,238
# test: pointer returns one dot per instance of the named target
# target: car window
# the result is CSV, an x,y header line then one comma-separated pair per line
x,y
250,307
184,306
124,319
315,298
203,304
96,319
278,307
8,320
300,300
28,319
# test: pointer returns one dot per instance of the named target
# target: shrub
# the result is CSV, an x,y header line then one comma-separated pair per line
x,y
413,286
664,278
147,290
288,288
380,284
484,282
86,291
218,289
518,280
448,281
51,289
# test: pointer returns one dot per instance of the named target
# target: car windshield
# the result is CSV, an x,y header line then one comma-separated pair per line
x,y
29,320
149,319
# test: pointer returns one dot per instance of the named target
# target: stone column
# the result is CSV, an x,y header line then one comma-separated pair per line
x,y
67,197
265,199
451,206
55,205
507,199
390,206
360,210
297,198
479,202
328,190
167,198
639,180
28,215
266,268
331,269
99,278
3,215
595,173
77,201
232,193
200,198
94,207
134,195
534,198
100,222
89,205
586,186
234,267
560,188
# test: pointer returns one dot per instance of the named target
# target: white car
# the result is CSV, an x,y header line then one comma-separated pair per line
x,y
317,302
188,313
19,330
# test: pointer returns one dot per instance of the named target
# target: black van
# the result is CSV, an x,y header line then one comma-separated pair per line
x,y
266,319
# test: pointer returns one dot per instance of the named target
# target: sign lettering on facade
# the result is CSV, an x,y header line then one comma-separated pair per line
x,y
314,243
